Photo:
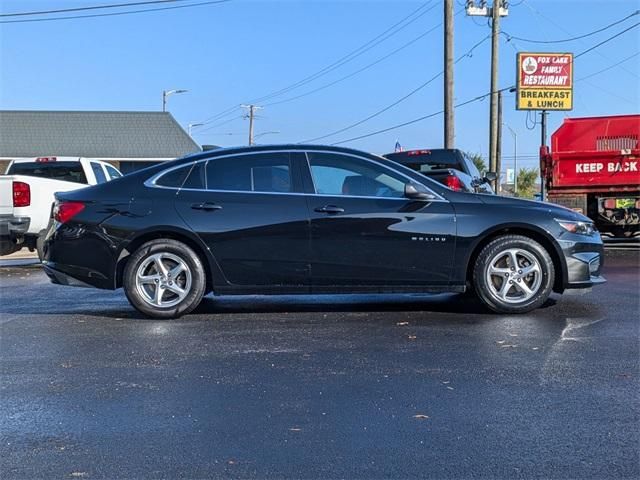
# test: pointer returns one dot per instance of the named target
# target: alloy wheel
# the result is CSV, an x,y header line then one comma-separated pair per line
x,y
163,280
514,275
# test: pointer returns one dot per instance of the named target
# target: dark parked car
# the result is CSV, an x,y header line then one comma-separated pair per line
x,y
451,167
311,219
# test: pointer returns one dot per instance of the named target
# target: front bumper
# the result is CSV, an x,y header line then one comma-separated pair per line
x,y
584,258
12,226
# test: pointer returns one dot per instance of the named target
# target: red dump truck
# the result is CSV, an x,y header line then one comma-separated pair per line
x,y
594,168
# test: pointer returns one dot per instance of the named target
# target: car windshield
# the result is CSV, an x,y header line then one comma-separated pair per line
x,y
65,171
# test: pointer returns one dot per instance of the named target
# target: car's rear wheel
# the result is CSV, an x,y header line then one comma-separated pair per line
x,y
164,279
513,274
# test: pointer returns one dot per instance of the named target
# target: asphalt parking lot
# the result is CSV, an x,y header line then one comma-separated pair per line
x,y
398,386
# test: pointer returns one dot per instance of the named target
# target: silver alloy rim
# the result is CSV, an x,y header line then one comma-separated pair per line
x,y
514,276
163,280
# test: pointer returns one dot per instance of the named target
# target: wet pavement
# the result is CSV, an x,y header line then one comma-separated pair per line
x,y
399,386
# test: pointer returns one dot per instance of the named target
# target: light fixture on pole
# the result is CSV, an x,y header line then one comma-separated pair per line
x,y
191,125
168,93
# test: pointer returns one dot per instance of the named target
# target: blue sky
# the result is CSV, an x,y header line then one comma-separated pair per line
x,y
232,53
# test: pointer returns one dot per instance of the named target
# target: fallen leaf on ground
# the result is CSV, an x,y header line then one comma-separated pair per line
x,y
501,341
508,345
450,388
295,429
78,474
421,417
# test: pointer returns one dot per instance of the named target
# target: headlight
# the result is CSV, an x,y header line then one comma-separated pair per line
x,y
581,228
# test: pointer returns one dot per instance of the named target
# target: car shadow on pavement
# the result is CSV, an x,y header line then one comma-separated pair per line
x,y
440,303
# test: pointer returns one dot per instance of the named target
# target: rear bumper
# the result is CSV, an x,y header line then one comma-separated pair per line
x,y
75,276
12,226
584,260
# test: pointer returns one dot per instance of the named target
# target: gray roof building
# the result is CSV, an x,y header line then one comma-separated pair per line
x,y
117,136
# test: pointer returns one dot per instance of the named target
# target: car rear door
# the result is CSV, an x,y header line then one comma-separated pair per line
x,y
364,232
250,212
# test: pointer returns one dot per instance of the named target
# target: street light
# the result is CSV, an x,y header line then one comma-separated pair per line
x,y
191,125
168,93
515,158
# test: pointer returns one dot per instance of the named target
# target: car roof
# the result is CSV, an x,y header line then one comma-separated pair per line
x,y
57,159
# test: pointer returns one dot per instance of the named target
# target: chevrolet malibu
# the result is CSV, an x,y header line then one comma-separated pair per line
x,y
311,220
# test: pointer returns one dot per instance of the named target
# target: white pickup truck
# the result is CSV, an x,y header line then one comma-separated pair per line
x,y
27,194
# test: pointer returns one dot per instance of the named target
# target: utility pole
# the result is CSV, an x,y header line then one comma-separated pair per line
x,y
499,145
495,12
449,120
515,158
251,110
543,142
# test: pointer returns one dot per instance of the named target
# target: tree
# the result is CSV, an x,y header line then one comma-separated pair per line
x,y
527,187
478,161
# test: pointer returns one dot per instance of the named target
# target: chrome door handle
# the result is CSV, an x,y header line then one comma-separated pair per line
x,y
206,206
331,209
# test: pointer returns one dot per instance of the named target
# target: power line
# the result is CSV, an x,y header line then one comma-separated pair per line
x,y
571,39
219,124
419,119
391,31
388,33
95,7
478,98
360,70
400,100
607,40
609,67
562,27
113,14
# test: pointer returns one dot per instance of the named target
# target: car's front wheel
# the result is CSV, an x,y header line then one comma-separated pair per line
x,y
164,279
513,274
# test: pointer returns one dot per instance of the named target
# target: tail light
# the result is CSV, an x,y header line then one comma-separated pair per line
x,y
65,211
453,183
21,194
610,203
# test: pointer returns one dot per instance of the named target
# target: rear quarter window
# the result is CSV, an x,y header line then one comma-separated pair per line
x,y
189,176
64,171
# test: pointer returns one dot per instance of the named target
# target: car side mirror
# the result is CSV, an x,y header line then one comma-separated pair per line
x,y
416,192
490,176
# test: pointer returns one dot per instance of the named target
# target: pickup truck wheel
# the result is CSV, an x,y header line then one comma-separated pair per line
x,y
513,274
164,279
7,247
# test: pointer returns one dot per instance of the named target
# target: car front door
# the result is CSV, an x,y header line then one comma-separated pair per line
x,y
365,232
249,210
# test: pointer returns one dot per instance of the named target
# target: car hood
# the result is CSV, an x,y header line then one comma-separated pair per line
x,y
557,211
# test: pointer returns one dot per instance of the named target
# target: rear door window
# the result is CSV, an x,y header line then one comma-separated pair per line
x,y
264,172
64,171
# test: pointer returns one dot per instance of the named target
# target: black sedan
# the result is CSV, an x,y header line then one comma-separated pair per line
x,y
311,219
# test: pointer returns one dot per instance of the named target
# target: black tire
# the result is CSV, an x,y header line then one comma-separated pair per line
x,y
168,250
515,299
7,247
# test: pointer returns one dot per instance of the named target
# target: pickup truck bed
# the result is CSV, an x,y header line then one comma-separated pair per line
x,y
27,195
